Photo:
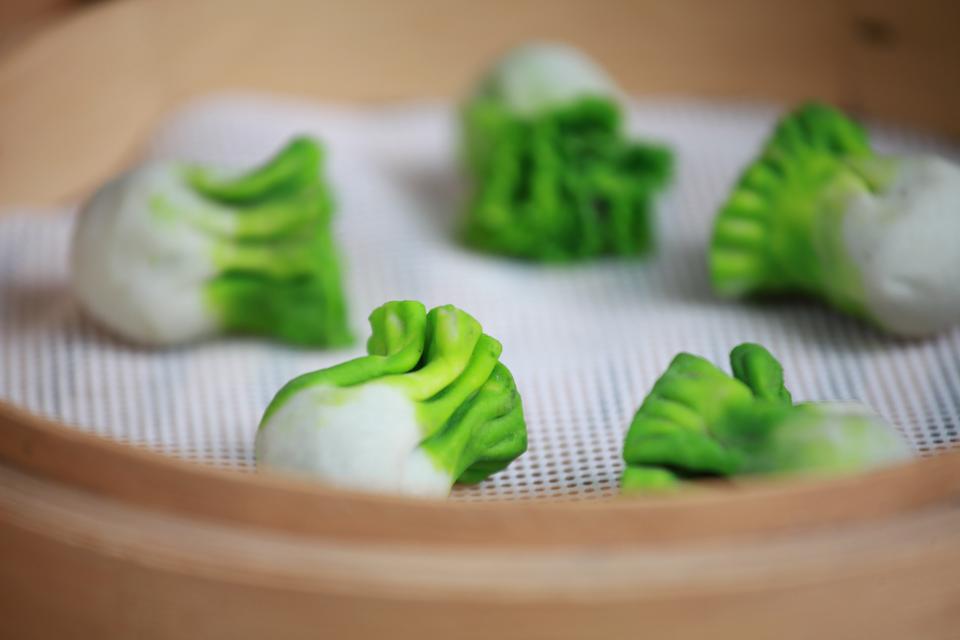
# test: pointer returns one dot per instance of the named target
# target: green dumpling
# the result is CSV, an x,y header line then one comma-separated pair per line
x,y
820,213
172,252
553,176
430,405
699,421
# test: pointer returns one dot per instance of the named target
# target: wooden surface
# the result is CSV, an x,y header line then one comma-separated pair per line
x,y
98,540
77,99
21,19
76,565
148,480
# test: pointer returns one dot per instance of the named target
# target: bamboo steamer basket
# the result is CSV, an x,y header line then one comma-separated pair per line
x,y
98,539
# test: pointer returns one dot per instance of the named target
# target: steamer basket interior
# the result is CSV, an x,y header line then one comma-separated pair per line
x,y
179,537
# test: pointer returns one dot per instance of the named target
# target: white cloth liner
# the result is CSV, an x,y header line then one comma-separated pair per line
x,y
585,342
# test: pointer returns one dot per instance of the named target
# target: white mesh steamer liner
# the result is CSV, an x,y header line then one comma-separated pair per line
x,y
585,342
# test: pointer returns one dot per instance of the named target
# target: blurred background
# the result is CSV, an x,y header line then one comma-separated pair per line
x,y
21,18
886,58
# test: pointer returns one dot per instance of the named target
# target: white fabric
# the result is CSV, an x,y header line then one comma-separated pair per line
x,y
585,342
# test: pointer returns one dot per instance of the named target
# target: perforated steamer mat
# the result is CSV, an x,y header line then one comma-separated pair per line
x,y
585,342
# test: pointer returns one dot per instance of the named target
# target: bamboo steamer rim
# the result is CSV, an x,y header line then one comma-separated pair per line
x,y
70,50
153,480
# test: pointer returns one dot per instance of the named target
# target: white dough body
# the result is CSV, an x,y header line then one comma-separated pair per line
x,y
855,427
536,76
140,274
906,245
363,438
